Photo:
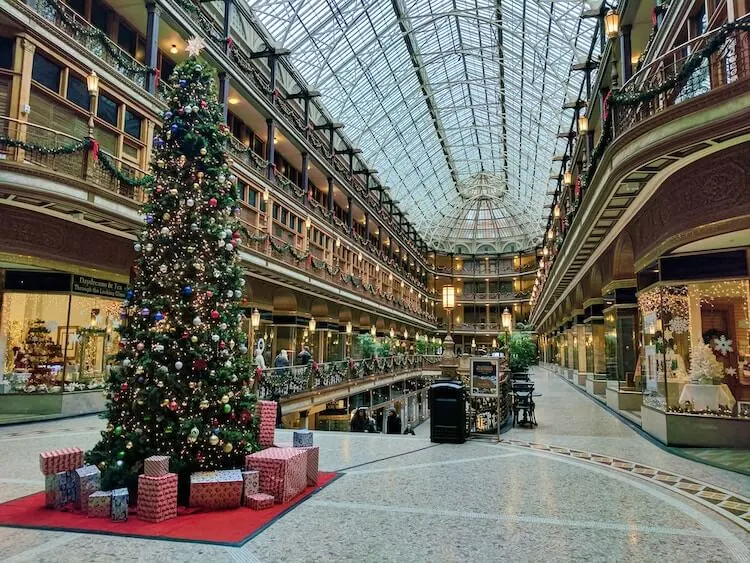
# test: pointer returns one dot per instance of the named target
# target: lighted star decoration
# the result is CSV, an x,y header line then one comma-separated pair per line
x,y
668,334
731,372
195,46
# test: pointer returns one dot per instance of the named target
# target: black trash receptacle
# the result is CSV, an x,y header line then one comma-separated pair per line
x,y
447,412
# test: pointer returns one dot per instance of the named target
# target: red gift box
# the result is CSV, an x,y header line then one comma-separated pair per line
x,y
157,497
266,412
259,501
313,457
250,486
283,471
215,490
156,465
56,461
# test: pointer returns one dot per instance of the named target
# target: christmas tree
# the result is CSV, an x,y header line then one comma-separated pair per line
x,y
703,365
182,387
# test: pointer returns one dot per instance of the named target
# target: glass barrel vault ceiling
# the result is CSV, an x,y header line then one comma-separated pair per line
x,y
456,103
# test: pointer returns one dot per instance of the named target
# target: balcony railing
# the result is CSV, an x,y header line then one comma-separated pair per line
x,y
703,64
78,165
290,381
494,296
91,38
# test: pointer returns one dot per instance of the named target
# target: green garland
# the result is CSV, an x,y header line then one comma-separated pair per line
x,y
107,164
69,148
95,33
103,159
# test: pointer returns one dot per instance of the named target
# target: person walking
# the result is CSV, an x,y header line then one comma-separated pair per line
x,y
393,422
282,360
259,362
304,356
359,422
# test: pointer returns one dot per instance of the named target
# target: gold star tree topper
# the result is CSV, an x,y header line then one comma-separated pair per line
x,y
195,46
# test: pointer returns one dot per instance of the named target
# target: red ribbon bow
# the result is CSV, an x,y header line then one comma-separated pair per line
x,y
157,74
94,149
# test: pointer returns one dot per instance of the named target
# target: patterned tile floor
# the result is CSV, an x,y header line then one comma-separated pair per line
x,y
591,489
731,505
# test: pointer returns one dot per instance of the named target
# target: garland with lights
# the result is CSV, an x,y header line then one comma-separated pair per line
x,y
627,98
182,384
91,32
87,144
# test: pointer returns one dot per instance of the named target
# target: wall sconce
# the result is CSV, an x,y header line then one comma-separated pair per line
x,y
583,124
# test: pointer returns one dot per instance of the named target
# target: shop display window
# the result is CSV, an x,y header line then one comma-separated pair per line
x,y
695,348
50,343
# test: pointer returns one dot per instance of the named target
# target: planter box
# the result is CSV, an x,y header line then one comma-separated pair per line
x,y
582,376
46,404
624,400
596,386
687,430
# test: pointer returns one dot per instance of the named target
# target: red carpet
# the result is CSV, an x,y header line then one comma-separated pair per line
x,y
224,527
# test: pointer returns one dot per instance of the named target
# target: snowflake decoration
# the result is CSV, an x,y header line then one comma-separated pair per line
x,y
723,345
668,334
678,325
731,372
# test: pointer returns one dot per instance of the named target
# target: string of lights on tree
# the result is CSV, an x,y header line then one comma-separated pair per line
x,y
624,98
182,384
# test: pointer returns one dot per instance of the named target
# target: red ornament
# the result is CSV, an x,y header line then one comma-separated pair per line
x,y
209,294
214,314
116,397
236,234
232,416
124,387
173,405
213,202
200,364
258,372
204,104
222,345
186,334
214,422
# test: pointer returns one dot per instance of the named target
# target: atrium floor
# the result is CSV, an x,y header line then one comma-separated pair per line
x,y
402,498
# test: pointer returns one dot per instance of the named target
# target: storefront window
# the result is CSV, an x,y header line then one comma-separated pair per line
x,y
57,342
696,347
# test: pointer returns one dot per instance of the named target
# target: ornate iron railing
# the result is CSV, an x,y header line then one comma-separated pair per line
x,y
287,381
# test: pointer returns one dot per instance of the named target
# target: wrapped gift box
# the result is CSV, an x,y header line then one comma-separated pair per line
x,y
88,479
156,465
251,484
216,490
283,471
55,461
259,501
100,504
313,458
302,439
119,505
157,497
267,417
66,488
50,490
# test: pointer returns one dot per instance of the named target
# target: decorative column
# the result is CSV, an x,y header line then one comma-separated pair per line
x,y
350,216
152,45
23,60
224,94
271,148
330,194
626,52
305,181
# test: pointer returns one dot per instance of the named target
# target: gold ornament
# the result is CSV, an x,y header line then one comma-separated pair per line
x,y
225,399
204,404
228,447
213,440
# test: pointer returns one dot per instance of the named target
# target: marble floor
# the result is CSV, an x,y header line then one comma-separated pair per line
x,y
403,499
